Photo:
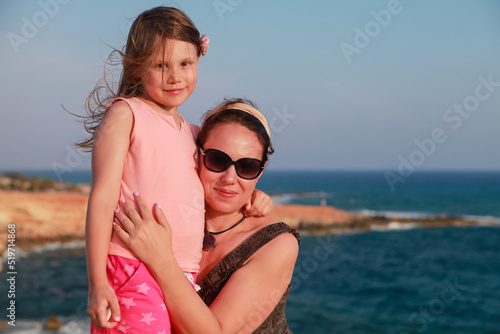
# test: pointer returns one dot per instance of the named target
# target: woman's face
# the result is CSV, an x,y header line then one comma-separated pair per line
x,y
226,192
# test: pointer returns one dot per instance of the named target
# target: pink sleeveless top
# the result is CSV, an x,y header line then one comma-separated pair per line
x,y
161,165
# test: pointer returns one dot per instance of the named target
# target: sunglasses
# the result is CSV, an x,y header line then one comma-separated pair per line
x,y
218,161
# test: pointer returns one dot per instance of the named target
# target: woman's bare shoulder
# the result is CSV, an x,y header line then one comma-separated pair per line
x,y
281,248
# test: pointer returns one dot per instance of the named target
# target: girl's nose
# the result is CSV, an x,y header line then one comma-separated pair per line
x,y
229,175
173,76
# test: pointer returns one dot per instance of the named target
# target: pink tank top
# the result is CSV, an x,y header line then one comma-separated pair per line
x,y
161,165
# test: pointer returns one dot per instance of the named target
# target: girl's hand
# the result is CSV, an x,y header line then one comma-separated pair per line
x,y
259,205
148,238
100,299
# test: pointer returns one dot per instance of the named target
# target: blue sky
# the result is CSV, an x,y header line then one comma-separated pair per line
x,y
345,84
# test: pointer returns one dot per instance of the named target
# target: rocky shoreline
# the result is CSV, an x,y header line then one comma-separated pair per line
x,y
59,216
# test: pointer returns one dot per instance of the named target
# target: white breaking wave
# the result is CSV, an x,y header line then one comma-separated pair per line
x,y
287,198
57,246
52,246
425,215
394,226
398,214
71,326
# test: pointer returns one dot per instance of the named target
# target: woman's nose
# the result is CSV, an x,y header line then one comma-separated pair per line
x,y
229,175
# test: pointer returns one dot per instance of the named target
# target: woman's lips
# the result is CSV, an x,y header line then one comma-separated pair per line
x,y
225,192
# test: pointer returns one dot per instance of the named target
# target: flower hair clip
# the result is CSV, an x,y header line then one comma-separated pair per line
x,y
205,42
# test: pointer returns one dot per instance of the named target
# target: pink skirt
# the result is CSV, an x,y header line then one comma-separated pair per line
x,y
142,308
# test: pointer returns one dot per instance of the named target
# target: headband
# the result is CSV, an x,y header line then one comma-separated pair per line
x,y
243,107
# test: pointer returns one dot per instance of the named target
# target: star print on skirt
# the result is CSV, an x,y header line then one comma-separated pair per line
x,y
140,298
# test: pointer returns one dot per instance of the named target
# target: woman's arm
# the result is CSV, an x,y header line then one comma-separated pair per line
x,y
110,147
246,300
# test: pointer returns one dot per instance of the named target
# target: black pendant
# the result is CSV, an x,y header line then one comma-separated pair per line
x,y
209,242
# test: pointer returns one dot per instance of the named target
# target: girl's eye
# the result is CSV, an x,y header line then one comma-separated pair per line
x,y
160,66
186,63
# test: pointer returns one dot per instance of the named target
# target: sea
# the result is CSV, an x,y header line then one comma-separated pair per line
x,y
395,280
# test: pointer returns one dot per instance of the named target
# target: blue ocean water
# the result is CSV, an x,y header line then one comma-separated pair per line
x,y
458,194
444,280
441,280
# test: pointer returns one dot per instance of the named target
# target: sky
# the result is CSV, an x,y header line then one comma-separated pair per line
x,y
346,85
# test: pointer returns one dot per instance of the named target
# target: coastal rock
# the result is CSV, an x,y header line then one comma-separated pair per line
x,y
313,217
42,216
59,216
53,323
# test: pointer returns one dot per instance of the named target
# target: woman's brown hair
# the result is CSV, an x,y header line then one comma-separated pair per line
x,y
227,115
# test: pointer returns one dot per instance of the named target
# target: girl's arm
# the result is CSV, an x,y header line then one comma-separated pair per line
x,y
259,204
111,143
246,300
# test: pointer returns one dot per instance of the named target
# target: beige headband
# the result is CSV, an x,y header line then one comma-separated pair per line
x,y
246,108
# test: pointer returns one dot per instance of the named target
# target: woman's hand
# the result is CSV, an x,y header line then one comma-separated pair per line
x,y
260,204
148,238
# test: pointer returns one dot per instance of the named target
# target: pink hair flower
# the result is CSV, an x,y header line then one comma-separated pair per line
x,y
205,42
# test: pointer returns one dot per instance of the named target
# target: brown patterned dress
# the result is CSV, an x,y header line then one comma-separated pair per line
x,y
215,280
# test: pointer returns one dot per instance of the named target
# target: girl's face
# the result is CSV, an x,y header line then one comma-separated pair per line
x,y
226,192
172,77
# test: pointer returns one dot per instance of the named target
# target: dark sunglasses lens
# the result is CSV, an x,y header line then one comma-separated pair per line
x,y
248,168
216,161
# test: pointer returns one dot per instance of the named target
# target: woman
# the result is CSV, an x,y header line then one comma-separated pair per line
x,y
247,263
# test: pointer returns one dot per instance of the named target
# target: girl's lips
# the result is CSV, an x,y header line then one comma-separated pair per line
x,y
225,193
174,91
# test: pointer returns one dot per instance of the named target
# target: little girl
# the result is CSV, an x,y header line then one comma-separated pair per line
x,y
140,144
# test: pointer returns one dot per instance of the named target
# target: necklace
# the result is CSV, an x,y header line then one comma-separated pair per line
x,y
209,241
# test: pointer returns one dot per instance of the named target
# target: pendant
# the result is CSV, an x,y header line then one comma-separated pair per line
x,y
209,242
